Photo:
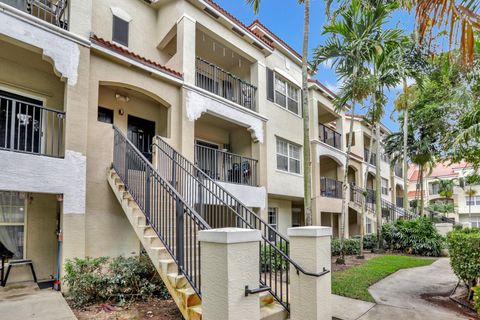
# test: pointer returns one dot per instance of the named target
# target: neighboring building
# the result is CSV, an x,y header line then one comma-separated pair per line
x,y
224,95
466,208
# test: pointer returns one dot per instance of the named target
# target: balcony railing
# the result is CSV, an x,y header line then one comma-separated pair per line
x,y
330,188
398,171
373,159
55,12
223,83
31,128
330,136
225,166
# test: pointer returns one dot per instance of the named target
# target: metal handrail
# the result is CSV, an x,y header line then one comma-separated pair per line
x,y
169,215
183,174
214,162
331,188
336,139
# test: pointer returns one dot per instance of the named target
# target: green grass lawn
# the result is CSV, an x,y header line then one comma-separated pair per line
x,y
354,282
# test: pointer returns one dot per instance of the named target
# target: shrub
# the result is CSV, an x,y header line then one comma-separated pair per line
x,y
119,279
464,251
350,247
418,236
476,299
369,241
272,260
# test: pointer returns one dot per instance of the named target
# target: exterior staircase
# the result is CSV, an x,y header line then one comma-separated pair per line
x,y
167,225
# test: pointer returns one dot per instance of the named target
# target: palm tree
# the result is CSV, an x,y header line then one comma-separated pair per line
x,y
445,189
307,166
470,192
355,36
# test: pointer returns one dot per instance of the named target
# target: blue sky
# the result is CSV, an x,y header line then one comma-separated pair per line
x,y
285,18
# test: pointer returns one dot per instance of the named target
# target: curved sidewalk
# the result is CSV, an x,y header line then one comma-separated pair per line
x,y
398,296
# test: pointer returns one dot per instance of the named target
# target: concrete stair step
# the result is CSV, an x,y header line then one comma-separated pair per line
x,y
177,280
273,311
190,297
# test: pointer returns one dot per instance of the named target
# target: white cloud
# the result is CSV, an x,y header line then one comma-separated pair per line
x,y
334,87
399,86
327,64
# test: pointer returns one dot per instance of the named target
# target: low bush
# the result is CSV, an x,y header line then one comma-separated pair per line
x,y
271,259
418,236
350,247
464,251
369,241
120,279
476,299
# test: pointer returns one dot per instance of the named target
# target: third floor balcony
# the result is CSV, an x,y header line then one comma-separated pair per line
x,y
216,80
373,157
329,136
55,12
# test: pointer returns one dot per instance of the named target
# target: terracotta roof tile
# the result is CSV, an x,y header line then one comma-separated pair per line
x,y
129,54
273,35
239,23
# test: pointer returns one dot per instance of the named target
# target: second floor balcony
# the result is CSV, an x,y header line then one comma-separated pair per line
x,y
216,80
225,166
329,136
55,12
29,127
330,188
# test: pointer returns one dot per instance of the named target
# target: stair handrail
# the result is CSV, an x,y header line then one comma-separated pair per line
x,y
180,203
233,203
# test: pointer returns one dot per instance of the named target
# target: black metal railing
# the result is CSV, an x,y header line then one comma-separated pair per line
x,y
330,188
399,202
225,166
31,128
221,209
170,216
329,136
55,12
222,83
373,159
357,195
398,171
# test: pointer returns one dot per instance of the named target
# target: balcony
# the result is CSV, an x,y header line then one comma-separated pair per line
x,y
224,84
226,167
330,188
31,128
330,136
373,159
55,12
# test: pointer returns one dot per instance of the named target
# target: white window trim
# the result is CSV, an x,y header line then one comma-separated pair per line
x,y
24,224
288,157
299,96
275,212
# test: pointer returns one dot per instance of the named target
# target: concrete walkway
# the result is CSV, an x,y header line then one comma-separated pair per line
x,y
26,301
398,296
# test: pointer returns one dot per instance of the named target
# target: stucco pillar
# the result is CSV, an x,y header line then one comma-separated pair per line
x,y
229,262
80,20
310,296
316,187
186,48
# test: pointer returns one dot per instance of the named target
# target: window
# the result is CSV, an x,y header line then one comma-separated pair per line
x,y
348,138
475,222
473,201
105,115
286,94
272,222
120,31
384,186
434,188
368,225
12,222
385,157
288,156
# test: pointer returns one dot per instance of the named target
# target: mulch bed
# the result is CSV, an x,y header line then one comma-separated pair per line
x,y
352,261
443,300
154,309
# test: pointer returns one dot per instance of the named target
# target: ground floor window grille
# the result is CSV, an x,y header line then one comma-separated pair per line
x,y
12,222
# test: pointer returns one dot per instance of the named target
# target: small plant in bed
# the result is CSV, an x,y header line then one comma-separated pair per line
x,y
354,282
117,280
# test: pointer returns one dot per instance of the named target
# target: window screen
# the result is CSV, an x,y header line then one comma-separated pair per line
x,y
120,31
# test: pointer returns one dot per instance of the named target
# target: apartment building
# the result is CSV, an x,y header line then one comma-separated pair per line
x,y
466,205
195,110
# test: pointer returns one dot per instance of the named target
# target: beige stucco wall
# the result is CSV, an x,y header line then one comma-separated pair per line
x,y
284,213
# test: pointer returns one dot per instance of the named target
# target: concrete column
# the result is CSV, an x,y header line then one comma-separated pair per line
x,y
310,296
229,262
186,48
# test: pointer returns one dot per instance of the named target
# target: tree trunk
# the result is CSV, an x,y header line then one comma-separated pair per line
x,y
378,183
364,197
307,166
421,190
345,188
405,145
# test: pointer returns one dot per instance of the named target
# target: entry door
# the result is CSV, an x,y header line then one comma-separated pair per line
x,y
141,133
20,122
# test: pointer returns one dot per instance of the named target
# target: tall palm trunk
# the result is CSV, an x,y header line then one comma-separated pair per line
x,y
378,184
307,167
405,138
364,196
422,189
